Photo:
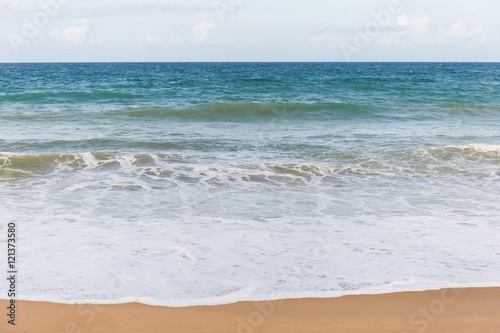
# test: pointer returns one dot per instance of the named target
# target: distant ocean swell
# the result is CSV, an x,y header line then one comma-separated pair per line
x,y
236,111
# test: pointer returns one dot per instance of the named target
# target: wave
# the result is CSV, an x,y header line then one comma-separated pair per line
x,y
474,160
212,112
234,111
12,164
156,165
475,153
493,150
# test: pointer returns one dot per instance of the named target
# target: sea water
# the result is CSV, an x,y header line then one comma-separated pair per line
x,y
207,183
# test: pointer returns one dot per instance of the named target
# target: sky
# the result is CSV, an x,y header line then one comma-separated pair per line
x,y
249,30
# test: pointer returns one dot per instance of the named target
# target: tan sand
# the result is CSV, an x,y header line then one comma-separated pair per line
x,y
472,310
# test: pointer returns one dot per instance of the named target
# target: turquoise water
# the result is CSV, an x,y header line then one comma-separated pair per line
x,y
222,177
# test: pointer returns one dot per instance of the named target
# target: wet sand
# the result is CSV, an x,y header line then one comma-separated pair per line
x,y
470,310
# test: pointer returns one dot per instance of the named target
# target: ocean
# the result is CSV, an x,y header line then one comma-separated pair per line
x,y
208,183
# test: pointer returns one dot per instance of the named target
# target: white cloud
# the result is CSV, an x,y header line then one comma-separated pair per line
x,y
201,30
459,30
419,27
73,34
417,30
402,20
407,30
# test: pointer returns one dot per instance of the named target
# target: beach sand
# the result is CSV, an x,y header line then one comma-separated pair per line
x,y
467,310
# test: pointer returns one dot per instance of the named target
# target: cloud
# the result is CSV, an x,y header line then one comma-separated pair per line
x,y
73,34
459,30
419,26
419,30
201,30
402,20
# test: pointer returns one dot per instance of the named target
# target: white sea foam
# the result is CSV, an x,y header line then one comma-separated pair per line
x,y
479,148
194,260
182,230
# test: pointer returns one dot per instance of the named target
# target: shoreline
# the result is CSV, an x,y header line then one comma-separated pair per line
x,y
248,294
465,310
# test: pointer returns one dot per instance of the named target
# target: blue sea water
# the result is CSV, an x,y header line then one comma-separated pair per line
x,y
214,182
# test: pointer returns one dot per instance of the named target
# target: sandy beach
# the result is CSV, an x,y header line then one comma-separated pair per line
x,y
449,310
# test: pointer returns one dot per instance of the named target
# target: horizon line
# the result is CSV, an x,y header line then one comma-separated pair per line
x,y
233,62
